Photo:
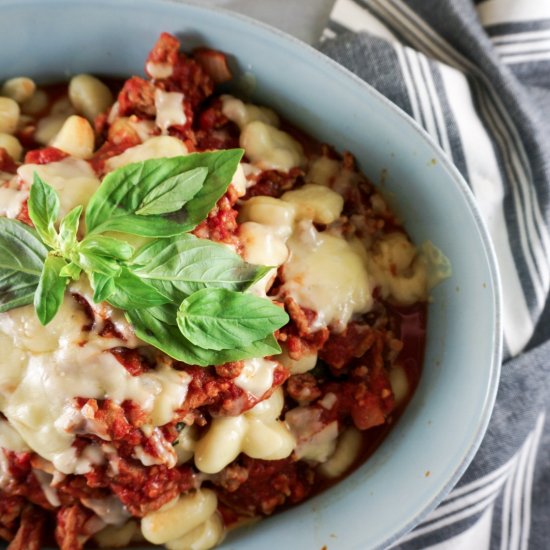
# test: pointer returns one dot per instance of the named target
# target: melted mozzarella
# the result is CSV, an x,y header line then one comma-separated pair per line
x,y
10,439
325,274
73,179
159,70
315,441
44,368
256,376
109,509
169,106
45,481
11,201
154,148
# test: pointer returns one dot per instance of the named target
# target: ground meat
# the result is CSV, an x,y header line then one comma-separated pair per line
x,y
231,477
303,318
303,388
137,97
11,508
341,348
274,183
210,394
214,64
215,130
29,534
69,531
22,481
221,223
230,370
268,485
109,150
165,51
131,360
143,489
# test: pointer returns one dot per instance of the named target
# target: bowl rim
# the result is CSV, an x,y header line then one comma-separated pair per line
x,y
450,168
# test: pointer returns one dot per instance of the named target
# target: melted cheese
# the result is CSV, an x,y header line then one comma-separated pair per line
x,y
169,106
154,148
109,509
159,70
44,368
257,376
45,481
10,439
11,201
73,179
315,441
325,274
269,148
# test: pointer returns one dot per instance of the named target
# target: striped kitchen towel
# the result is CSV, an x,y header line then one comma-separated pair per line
x,y
476,77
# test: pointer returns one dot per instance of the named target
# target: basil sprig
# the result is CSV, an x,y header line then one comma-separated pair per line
x,y
183,295
22,256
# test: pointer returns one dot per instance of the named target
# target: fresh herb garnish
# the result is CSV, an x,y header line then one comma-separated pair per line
x,y
184,295
22,256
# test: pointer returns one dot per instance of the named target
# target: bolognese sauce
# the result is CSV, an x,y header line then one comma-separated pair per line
x,y
107,441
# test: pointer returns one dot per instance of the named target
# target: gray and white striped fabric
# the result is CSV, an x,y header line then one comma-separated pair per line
x,y
476,77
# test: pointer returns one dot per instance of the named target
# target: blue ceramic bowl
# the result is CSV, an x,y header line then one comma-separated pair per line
x,y
443,425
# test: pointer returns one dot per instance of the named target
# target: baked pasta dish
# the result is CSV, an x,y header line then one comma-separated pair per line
x,y
206,316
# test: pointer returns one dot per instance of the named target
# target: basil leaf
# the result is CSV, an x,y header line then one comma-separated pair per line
x,y
173,193
123,191
51,290
100,245
144,226
150,326
184,264
22,257
71,271
103,285
91,262
68,229
43,207
218,319
130,292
